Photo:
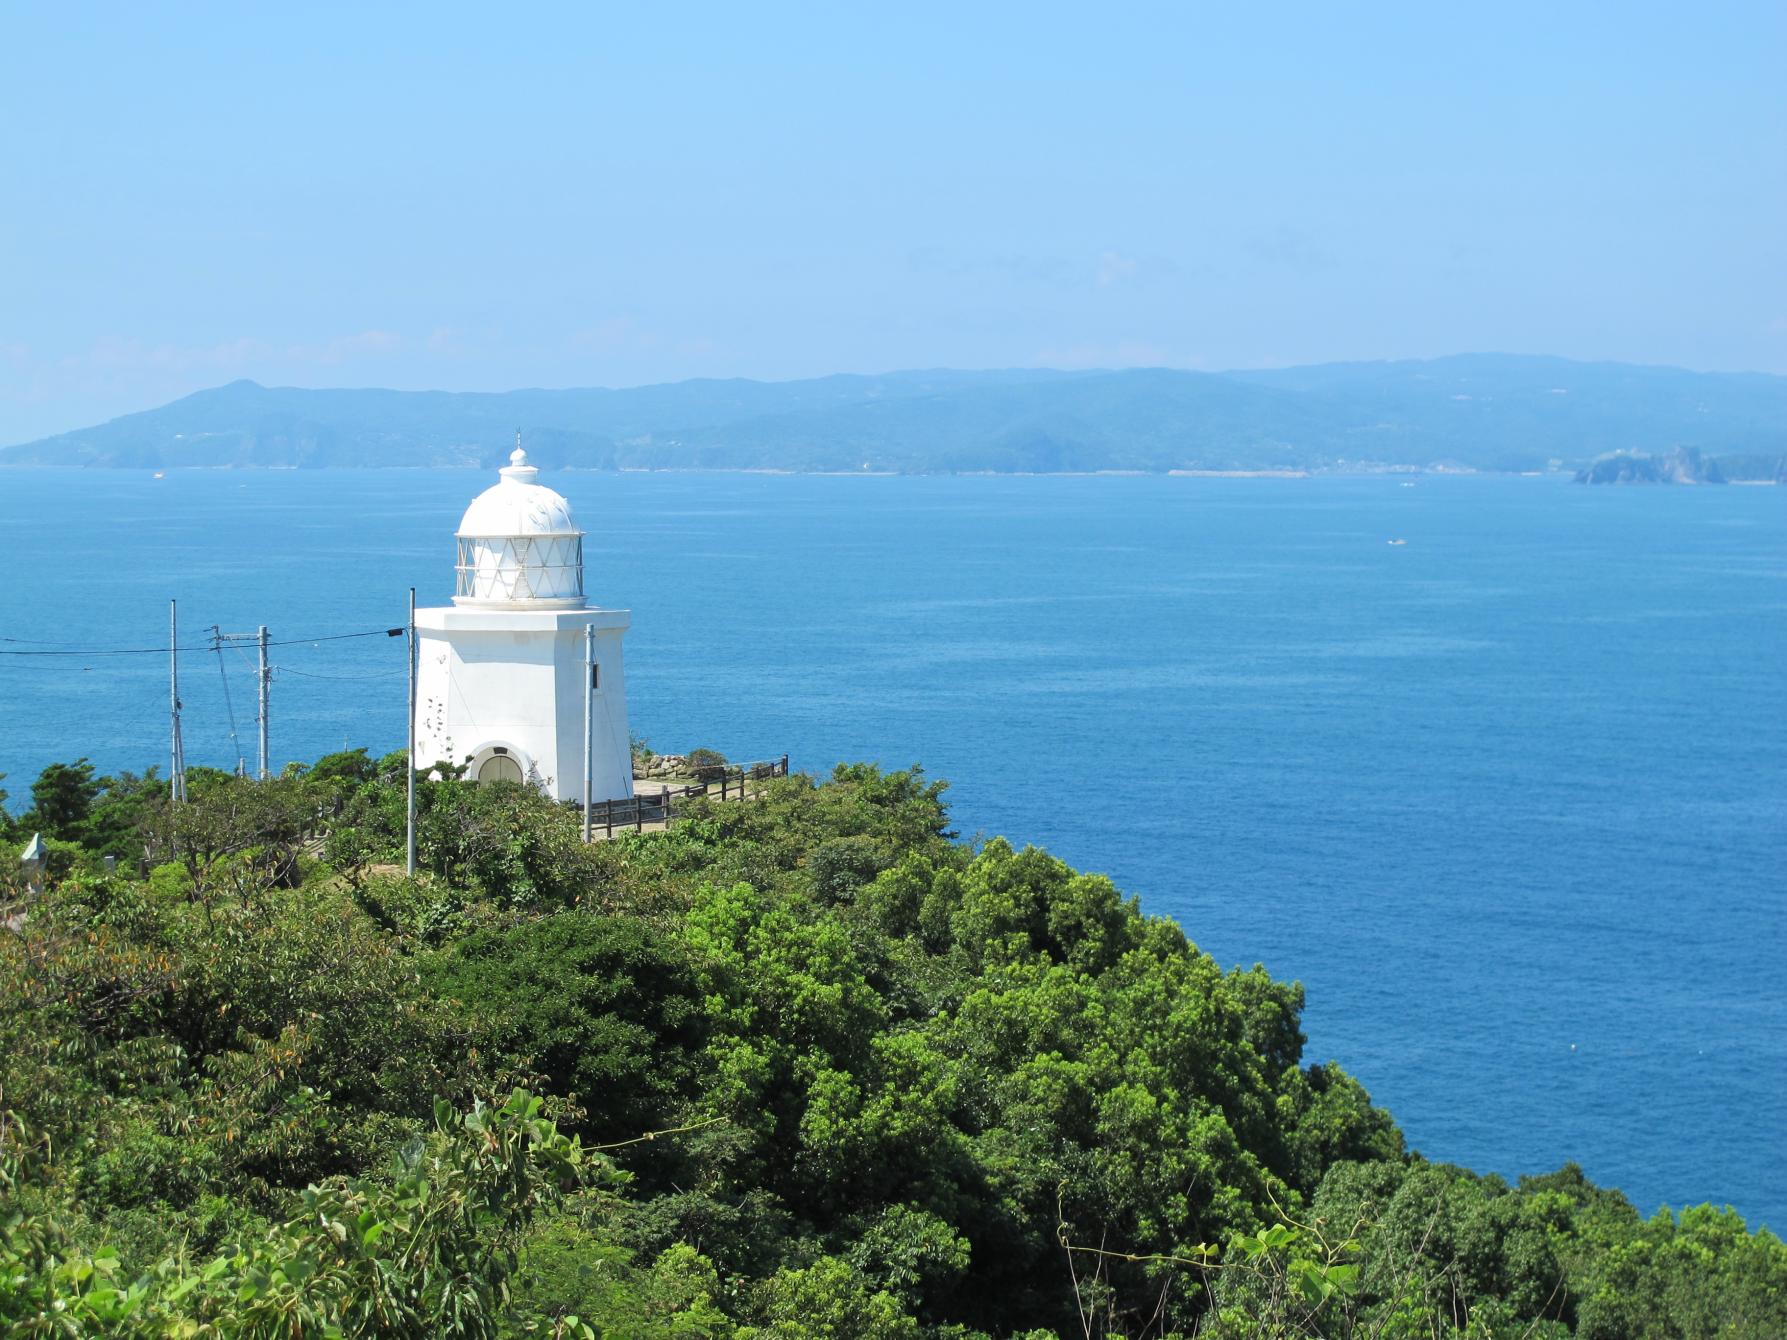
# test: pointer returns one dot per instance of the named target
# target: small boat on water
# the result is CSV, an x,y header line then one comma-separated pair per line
x,y
158,475
1398,541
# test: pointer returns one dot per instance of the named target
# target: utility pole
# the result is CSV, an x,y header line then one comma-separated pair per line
x,y
589,725
266,684
218,640
409,800
176,753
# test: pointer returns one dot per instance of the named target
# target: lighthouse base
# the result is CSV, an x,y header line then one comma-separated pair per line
x,y
500,693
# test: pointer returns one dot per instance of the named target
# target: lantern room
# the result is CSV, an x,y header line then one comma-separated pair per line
x,y
518,546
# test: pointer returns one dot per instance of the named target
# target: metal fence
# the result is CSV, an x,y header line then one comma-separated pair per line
x,y
636,811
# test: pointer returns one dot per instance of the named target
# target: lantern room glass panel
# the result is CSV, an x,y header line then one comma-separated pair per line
x,y
519,568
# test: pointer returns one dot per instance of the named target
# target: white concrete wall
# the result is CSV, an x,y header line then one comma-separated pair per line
x,y
516,679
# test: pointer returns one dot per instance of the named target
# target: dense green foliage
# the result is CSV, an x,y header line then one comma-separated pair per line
x,y
805,1066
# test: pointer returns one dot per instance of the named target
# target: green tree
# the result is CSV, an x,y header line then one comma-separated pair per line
x,y
912,1253
571,1267
348,765
120,813
605,1007
62,798
828,1301
1703,1275
426,1252
917,1089
235,836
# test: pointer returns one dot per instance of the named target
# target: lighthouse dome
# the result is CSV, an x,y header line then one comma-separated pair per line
x,y
518,546
516,505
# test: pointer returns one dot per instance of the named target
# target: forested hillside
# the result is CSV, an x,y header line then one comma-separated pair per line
x,y
802,1066
1479,411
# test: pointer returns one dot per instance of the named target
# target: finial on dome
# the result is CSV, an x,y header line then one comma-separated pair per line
x,y
518,471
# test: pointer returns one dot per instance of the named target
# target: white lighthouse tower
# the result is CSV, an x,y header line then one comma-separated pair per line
x,y
502,675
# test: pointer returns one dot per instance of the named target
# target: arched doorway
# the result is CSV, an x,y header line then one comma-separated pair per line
x,y
499,768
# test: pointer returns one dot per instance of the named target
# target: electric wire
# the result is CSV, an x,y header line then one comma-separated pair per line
x,y
46,656
312,674
228,703
163,651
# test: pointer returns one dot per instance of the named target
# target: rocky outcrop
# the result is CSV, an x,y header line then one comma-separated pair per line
x,y
659,766
1679,465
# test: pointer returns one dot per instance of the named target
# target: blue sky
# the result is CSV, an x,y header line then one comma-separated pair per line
x,y
481,198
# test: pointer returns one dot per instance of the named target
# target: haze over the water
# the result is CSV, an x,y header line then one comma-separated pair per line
x,y
579,195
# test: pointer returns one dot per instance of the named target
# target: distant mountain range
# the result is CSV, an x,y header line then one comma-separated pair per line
x,y
1473,411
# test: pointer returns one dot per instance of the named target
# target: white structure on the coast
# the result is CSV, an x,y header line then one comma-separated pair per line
x,y
501,676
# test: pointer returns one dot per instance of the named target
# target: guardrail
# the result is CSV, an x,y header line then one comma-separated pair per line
x,y
638,810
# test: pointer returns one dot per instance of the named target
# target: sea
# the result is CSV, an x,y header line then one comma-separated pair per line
x,y
1496,767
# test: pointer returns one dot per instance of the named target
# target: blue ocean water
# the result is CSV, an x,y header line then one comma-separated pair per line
x,y
1509,798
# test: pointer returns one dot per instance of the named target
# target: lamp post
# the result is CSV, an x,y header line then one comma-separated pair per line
x,y
33,861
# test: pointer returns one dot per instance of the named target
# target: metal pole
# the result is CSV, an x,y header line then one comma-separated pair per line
x,y
589,725
409,800
174,699
266,681
176,755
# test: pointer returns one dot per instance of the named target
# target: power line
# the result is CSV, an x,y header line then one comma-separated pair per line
x,y
102,651
163,651
337,637
312,674
34,641
218,638
22,653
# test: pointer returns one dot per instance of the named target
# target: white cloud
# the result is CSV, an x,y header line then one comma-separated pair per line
x,y
1114,268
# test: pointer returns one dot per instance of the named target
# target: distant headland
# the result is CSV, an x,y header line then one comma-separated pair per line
x,y
1471,412
1682,465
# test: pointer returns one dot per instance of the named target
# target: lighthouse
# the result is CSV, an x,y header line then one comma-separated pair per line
x,y
520,671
